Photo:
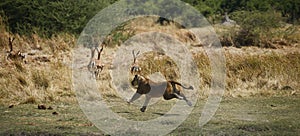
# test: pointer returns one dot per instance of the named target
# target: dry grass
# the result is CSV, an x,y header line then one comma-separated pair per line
x,y
276,38
148,24
272,73
153,62
46,74
43,76
26,83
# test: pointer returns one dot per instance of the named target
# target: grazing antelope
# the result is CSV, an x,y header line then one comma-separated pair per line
x,y
95,66
11,55
135,69
168,89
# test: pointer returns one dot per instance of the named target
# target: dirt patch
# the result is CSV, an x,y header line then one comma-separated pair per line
x,y
253,128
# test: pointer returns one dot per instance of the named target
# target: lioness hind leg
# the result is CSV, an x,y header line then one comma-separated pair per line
x,y
178,96
182,97
189,103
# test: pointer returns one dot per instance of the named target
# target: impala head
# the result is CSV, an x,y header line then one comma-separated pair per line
x,y
95,66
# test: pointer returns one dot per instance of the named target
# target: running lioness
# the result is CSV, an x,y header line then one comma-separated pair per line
x,y
168,89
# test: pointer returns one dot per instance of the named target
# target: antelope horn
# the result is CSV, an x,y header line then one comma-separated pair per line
x,y
99,52
11,43
135,55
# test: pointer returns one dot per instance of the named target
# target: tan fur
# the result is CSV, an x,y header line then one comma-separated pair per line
x,y
15,56
11,54
168,89
95,66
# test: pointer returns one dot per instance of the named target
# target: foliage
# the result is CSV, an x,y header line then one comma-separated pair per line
x,y
256,27
49,17
288,8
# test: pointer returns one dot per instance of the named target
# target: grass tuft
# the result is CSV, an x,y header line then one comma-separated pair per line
x,y
30,100
40,80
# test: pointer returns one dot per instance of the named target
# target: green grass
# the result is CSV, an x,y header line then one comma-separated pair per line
x,y
29,120
235,116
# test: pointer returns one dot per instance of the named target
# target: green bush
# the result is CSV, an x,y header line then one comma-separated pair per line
x,y
255,27
47,17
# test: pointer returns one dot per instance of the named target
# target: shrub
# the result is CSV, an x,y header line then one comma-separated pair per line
x,y
50,17
255,27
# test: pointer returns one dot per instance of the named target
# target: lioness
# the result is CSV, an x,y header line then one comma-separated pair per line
x,y
168,89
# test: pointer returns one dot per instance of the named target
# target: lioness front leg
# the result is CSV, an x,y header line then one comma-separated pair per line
x,y
134,97
145,103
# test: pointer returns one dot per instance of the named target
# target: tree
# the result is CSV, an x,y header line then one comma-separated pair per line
x,y
48,17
